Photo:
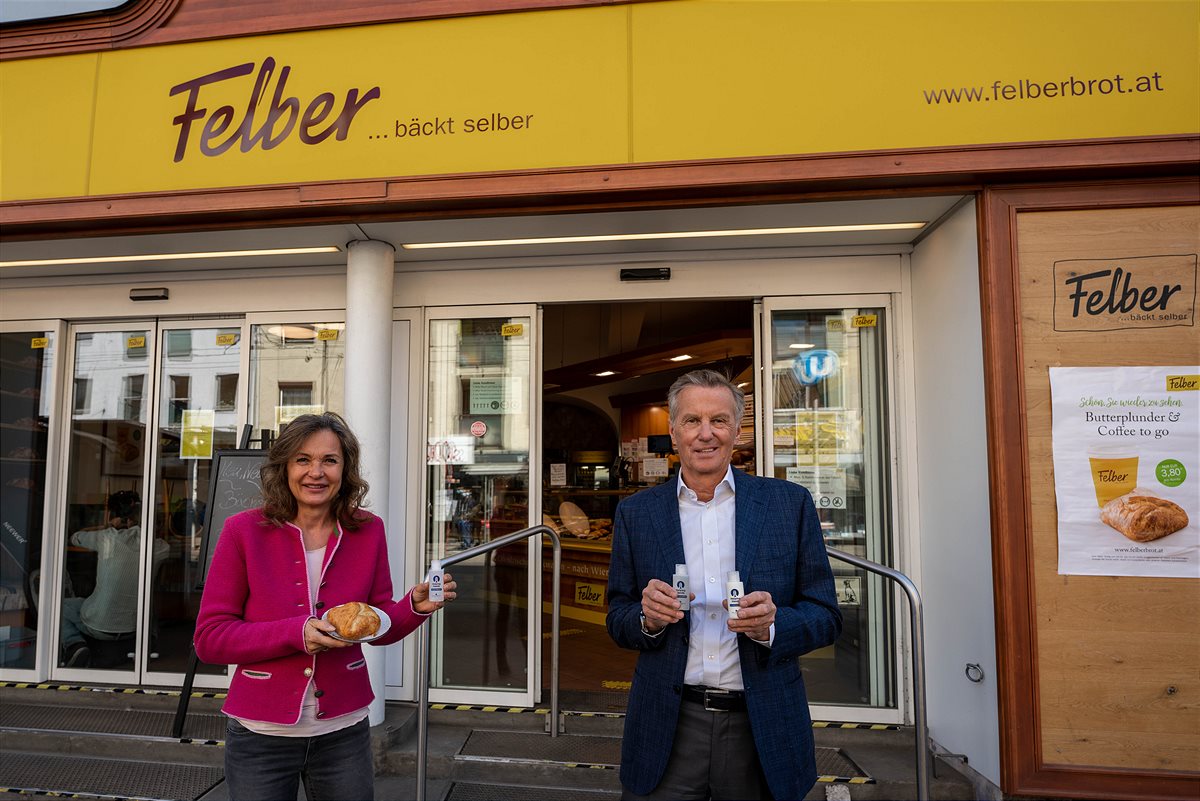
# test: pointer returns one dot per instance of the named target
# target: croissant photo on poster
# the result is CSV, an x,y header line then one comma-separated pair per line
x,y
1126,474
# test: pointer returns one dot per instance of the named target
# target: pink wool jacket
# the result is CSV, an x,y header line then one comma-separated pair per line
x,y
255,605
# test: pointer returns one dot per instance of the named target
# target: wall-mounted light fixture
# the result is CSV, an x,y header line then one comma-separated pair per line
x,y
149,293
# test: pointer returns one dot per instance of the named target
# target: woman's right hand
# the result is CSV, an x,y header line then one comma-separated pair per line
x,y
316,636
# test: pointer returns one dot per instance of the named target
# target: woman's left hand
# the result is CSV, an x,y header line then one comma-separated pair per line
x,y
420,595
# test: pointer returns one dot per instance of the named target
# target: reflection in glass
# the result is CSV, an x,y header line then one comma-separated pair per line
x,y
106,457
827,433
195,417
478,462
26,361
295,369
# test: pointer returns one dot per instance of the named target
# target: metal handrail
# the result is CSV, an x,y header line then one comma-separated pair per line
x,y
423,643
918,651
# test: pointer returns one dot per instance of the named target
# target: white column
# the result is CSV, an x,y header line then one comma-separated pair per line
x,y
370,275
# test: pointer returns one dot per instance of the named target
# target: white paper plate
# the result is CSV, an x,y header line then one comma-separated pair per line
x,y
385,623
574,519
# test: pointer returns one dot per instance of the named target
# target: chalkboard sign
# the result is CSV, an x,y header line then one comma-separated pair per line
x,y
233,486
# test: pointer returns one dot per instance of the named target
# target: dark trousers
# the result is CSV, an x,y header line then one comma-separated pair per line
x,y
335,767
713,756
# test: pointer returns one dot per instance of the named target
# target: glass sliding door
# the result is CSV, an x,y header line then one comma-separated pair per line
x,y
482,379
826,427
27,368
99,572
198,384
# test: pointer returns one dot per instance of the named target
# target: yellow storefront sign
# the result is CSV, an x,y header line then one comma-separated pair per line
x,y
629,84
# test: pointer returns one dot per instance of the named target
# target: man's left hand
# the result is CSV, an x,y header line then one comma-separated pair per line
x,y
755,616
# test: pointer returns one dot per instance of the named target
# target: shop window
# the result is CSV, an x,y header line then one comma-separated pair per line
x,y
180,397
295,368
295,394
133,389
83,395
179,344
26,12
227,392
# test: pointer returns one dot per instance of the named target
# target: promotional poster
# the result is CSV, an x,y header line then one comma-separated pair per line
x,y
1125,470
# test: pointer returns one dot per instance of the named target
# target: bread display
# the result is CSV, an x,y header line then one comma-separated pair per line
x,y
1143,517
354,621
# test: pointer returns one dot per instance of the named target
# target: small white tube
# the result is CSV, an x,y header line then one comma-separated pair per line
x,y
436,578
682,590
733,592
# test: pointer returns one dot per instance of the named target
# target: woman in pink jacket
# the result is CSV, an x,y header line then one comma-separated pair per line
x,y
298,699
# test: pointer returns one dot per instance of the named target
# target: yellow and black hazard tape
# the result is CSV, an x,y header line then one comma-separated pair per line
x,y
845,780
511,710
825,724
29,685
61,794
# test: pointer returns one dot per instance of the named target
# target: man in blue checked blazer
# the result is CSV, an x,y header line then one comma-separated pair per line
x,y
717,708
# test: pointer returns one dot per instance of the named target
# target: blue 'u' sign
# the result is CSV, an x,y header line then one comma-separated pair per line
x,y
815,366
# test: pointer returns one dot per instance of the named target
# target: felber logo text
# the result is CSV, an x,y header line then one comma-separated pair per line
x,y
280,117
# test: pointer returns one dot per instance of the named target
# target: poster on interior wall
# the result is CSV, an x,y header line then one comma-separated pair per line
x,y
1126,470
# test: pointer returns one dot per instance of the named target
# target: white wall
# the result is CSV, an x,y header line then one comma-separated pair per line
x,y
955,526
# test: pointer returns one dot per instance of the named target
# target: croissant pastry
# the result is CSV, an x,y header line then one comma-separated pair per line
x,y
354,621
1143,517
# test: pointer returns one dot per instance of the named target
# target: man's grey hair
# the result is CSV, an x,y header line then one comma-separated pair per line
x,y
708,379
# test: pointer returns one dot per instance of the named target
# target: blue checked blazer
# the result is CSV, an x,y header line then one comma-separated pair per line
x,y
779,549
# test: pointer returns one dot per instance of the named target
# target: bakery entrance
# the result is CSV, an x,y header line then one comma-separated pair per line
x,y
815,371
605,435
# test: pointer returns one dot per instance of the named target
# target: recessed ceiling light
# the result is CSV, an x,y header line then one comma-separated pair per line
x,y
801,346
605,374
210,254
561,240
681,358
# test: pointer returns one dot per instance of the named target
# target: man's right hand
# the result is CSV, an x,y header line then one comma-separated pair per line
x,y
660,606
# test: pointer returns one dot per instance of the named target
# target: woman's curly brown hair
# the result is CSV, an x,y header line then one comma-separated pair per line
x,y
279,505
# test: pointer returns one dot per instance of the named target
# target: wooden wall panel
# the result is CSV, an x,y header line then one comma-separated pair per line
x,y
1118,658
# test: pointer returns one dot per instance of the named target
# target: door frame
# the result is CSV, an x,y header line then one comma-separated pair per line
x,y
46,648
531,694
891,458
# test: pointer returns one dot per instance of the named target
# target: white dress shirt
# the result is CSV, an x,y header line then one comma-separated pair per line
x,y
708,546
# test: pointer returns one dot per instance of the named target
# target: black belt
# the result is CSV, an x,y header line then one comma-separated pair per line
x,y
715,700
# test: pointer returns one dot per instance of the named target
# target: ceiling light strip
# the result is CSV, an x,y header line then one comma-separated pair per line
x,y
560,240
211,254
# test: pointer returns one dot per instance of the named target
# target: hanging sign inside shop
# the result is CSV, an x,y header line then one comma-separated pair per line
x,y
496,396
1113,294
512,330
815,366
478,428
132,343
864,320
1126,475
835,323
196,438
558,474
39,342
327,334
225,340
